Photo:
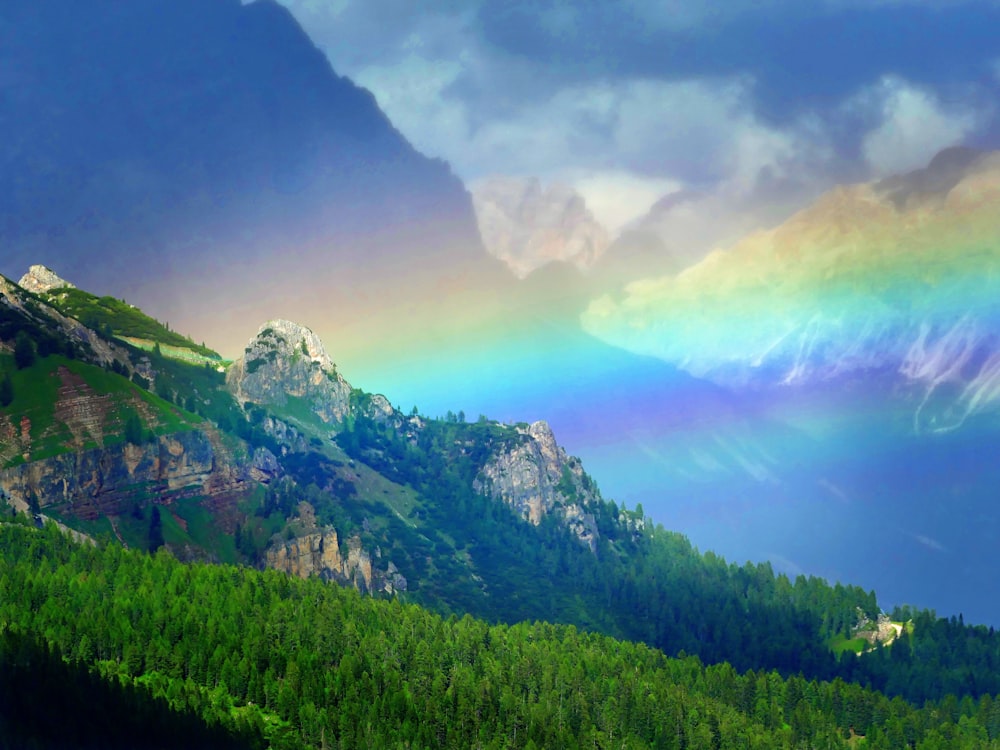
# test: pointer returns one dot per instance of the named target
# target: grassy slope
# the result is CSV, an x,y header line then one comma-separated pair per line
x,y
123,320
36,398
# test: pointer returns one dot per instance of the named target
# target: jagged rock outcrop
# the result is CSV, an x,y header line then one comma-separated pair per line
x,y
377,407
538,478
264,466
289,437
285,360
102,480
40,279
317,552
527,226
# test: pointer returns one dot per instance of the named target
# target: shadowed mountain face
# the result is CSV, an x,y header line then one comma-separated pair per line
x,y
208,145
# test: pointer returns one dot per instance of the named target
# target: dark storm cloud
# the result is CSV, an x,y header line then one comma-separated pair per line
x,y
743,96
800,56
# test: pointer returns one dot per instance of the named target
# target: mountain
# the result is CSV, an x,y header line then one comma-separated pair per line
x,y
199,156
527,226
201,160
276,461
867,325
895,276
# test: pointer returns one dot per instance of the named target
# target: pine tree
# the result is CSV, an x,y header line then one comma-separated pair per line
x,y
155,530
6,390
133,429
25,351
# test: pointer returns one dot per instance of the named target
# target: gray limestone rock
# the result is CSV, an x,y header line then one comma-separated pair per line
x,y
538,478
286,361
40,279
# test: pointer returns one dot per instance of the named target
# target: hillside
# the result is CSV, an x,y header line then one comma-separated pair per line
x,y
308,665
282,463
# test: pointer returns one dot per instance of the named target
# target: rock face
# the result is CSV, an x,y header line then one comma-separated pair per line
x,y
285,360
317,552
538,478
527,226
40,279
264,465
896,279
103,480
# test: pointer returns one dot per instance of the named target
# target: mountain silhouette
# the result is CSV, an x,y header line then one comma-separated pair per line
x,y
188,142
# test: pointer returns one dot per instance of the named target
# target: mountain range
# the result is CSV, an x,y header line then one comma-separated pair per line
x,y
867,325
203,161
122,432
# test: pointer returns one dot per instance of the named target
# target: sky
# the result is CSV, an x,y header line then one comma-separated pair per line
x,y
751,102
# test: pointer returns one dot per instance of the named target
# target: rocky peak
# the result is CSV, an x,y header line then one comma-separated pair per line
x,y
12,296
40,279
288,360
527,226
537,478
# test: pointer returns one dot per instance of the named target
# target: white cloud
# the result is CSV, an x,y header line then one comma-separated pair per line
x,y
929,542
915,125
616,198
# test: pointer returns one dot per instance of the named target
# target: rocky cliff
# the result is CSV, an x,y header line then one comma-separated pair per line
x,y
104,481
537,478
317,552
285,363
40,279
19,310
527,226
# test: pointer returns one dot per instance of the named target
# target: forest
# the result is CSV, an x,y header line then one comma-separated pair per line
x,y
263,659
648,584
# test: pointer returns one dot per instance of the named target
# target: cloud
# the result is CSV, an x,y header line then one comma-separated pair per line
x,y
616,197
757,104
930,543
411,92
915,125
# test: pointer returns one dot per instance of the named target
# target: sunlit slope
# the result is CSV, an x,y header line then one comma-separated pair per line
x,y
898,277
